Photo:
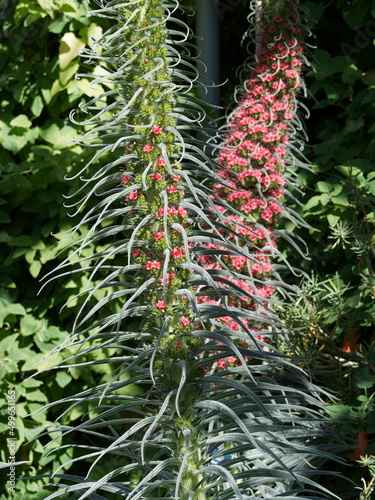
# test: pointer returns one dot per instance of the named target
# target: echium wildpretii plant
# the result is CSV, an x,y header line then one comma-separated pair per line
x,y
255,157
186,247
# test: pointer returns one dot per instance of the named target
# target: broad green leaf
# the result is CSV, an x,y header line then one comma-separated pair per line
x,y
69,47
32,382
6,344
313,202
67,73
48,6
341,199
37,106
92,31
68,7
351,74
368,78
339,412
58,137
29,325
28,12
324,187
324,199
35,268
57,87
333,219
21,121
36,395
364,379
21,241
63,378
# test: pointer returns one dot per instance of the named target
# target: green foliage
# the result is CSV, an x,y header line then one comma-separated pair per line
x,y
334,322
38,45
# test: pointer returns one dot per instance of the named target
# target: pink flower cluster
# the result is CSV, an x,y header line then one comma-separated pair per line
x,y
254,157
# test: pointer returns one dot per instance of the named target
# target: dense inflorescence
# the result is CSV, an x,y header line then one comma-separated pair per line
x,y
254,157
155,187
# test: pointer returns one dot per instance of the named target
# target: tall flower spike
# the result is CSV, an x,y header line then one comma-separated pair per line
x,y
255,155
193,432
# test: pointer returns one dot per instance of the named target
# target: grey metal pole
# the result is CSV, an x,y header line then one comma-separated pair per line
x,y
208,29
258,7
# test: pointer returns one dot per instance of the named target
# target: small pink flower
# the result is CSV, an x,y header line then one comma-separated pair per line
x,y
176,178
221,364
172,211
159,235
290,73
136,252
177,345
153,265
182,212
148,148
160,304
157,130
125,179
161,162
172,189
177,253
185,321
133,195
157,176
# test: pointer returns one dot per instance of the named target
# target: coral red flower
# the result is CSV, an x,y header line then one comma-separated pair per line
x,y
185,321
133,195
157,130
160,304
159,235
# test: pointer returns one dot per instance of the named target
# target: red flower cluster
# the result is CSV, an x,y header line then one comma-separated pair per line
x,y
254,157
